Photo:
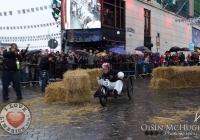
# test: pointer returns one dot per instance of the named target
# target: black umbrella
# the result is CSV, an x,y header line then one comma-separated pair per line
x,y
82,53
147,51
141,48
185,49
32,52
175,49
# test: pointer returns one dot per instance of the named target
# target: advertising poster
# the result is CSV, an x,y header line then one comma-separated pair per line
x,y
196,37
81,14
91,35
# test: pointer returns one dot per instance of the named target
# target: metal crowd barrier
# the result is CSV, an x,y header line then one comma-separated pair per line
x,y
29,73
129,69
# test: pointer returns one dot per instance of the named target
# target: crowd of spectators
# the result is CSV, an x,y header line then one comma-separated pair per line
x,y
60,62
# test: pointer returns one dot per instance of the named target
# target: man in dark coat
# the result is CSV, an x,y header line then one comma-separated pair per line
x,y
10,73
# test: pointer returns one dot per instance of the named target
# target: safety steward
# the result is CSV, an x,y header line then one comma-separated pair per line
x,y
10,73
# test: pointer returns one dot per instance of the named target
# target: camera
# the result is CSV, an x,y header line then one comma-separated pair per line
x,y
44,74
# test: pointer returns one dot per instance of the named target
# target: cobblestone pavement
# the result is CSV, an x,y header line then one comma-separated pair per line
x,y
119,120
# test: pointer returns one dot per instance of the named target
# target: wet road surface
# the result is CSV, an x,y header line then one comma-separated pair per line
x,y
119,120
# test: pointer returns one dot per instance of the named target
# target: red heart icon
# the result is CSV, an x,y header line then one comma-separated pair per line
x,y
15,119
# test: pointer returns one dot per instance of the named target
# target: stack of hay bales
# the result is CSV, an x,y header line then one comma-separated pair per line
x,y
78,84
74,88
175,77
56,92
94,73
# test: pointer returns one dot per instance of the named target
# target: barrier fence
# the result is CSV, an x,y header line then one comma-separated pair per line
x,y
32,74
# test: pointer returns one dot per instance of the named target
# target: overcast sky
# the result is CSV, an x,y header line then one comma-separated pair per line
x,y
29,18
7,5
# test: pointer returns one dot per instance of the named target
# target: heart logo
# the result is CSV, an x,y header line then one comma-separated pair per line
x,y
15,119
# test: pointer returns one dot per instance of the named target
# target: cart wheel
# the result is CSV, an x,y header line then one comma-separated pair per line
x,y
130,88
102,97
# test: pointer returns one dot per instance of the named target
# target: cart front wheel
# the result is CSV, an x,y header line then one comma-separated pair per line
x,y
102,96
130,88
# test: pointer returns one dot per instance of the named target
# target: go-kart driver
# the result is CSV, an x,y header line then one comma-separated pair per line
x,y
116,83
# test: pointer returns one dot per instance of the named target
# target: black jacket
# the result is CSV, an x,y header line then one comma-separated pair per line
x,y
9,62
44,64
111,73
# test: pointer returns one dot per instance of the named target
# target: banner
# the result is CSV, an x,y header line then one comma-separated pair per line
x,y
191,46
89,35
196,37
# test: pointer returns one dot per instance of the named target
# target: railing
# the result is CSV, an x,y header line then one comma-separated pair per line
x,y
32,74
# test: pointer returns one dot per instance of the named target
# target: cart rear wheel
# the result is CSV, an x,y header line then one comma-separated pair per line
x,y
130,88
102,96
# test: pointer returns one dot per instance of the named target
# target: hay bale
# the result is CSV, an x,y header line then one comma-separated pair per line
x,y
79,96
160,83
94,73
77,80
164,72
56,92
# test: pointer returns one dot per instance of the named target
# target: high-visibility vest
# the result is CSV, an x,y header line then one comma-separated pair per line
x,y
17,61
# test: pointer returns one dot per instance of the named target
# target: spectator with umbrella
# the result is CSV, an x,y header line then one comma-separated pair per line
x,y
181,59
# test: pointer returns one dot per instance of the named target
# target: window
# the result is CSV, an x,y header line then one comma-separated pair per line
x,y
19,12
14,28
24,27
4,28
10,28
31,26
50,6
7,28
38,26
147,22
21,27
5,14
27,10
108,15
0,28
37,9
28,27
23,11
41,8
0,14
32,9
45,7
10,12
110,1
113,14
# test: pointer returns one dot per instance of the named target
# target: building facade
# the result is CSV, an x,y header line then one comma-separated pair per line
x,y
155,27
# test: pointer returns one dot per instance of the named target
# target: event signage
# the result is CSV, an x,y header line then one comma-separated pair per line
x,y
88,35
196,37
191,46
191,21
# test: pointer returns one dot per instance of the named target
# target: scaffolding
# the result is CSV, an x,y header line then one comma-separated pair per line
x,y
196,8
